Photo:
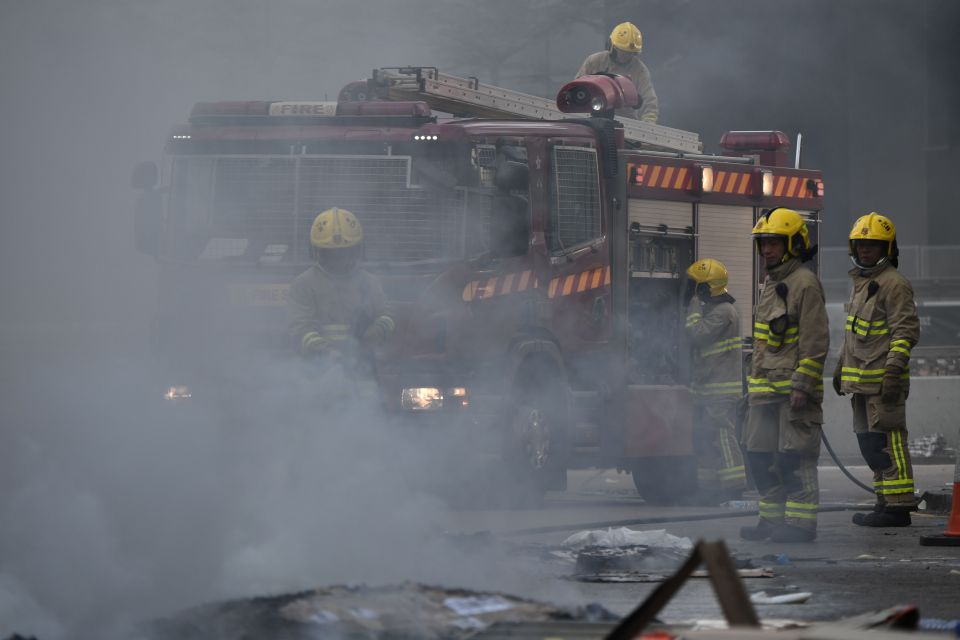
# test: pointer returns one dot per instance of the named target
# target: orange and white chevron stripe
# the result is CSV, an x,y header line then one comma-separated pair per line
x,y
657,176
522,281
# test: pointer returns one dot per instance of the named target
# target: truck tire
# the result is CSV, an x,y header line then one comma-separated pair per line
x,y
665,480
536,447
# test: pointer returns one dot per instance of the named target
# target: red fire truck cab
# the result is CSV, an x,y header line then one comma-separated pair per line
x,y
535,268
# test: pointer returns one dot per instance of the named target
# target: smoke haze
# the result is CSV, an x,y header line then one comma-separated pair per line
x,y
114,507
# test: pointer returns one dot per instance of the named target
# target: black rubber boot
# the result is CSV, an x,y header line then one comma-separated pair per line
x,y
790,533
885,518
761,531
859,517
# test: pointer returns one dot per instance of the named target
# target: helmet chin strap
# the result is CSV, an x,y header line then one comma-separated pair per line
x,y
882,261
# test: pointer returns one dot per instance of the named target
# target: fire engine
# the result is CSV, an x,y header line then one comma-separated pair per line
x,y
533,252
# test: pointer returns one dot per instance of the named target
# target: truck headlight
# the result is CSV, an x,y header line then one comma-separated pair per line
x,y
180,392
421,399
458,397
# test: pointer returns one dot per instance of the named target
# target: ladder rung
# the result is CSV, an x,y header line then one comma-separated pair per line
x,y
468,96
498,103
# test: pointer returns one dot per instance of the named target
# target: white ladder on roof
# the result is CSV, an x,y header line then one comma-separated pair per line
x,y
468,96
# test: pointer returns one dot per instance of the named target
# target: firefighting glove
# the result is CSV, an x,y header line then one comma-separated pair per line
x,y
379,330
837,379
313,344
891,387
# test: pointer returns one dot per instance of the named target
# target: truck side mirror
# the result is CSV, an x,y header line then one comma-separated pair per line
x,y
144,175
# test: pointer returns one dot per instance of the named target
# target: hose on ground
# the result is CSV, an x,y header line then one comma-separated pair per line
x,y
847,473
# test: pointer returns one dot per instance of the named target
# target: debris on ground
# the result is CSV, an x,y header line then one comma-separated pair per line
x,y
938,624
938,502
624,537
778,558
640,555
930,446
749,505
630,558
768,624
780,597
632,577
624,555
407,610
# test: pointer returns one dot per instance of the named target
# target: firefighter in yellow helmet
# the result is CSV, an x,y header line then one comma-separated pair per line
x,y
334,305
713,326
882,327
622,58
785,388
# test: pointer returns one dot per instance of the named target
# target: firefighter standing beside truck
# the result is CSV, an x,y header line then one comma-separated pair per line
x,y
336,307
713,326
882,327
785,388
622,58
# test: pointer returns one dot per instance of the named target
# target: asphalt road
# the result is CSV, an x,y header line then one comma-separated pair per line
x,y
849,570
166,496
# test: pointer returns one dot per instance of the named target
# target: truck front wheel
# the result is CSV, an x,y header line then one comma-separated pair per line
x,y
536,448
665,480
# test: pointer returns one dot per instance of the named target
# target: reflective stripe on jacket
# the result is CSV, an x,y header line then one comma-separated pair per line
x,y
882,327
717,354
790,335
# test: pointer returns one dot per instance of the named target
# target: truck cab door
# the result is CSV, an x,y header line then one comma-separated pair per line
x,y
579,282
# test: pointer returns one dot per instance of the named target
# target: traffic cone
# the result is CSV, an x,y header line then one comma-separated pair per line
x,y
951,535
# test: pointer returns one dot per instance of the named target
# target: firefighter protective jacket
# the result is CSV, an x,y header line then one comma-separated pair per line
x,y
337,307
882,327
790,335
602,62
717,355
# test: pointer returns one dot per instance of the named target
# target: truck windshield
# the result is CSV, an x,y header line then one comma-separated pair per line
x,y
423,206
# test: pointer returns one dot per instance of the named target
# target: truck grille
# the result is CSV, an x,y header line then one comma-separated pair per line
x,y
255,205
576,198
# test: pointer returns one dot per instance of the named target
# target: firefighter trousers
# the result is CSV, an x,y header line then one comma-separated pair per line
x,y
881,431
783,446
719,459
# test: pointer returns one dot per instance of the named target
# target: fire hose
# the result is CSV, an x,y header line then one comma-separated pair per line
x,y
845,471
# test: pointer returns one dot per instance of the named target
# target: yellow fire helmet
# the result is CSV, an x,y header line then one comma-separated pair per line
x,y
336,229
787,224
874,226
711,272
626,37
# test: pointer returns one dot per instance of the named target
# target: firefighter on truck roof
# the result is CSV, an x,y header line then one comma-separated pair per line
x,y
334,305
713,326
785,387
882,327
622,58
